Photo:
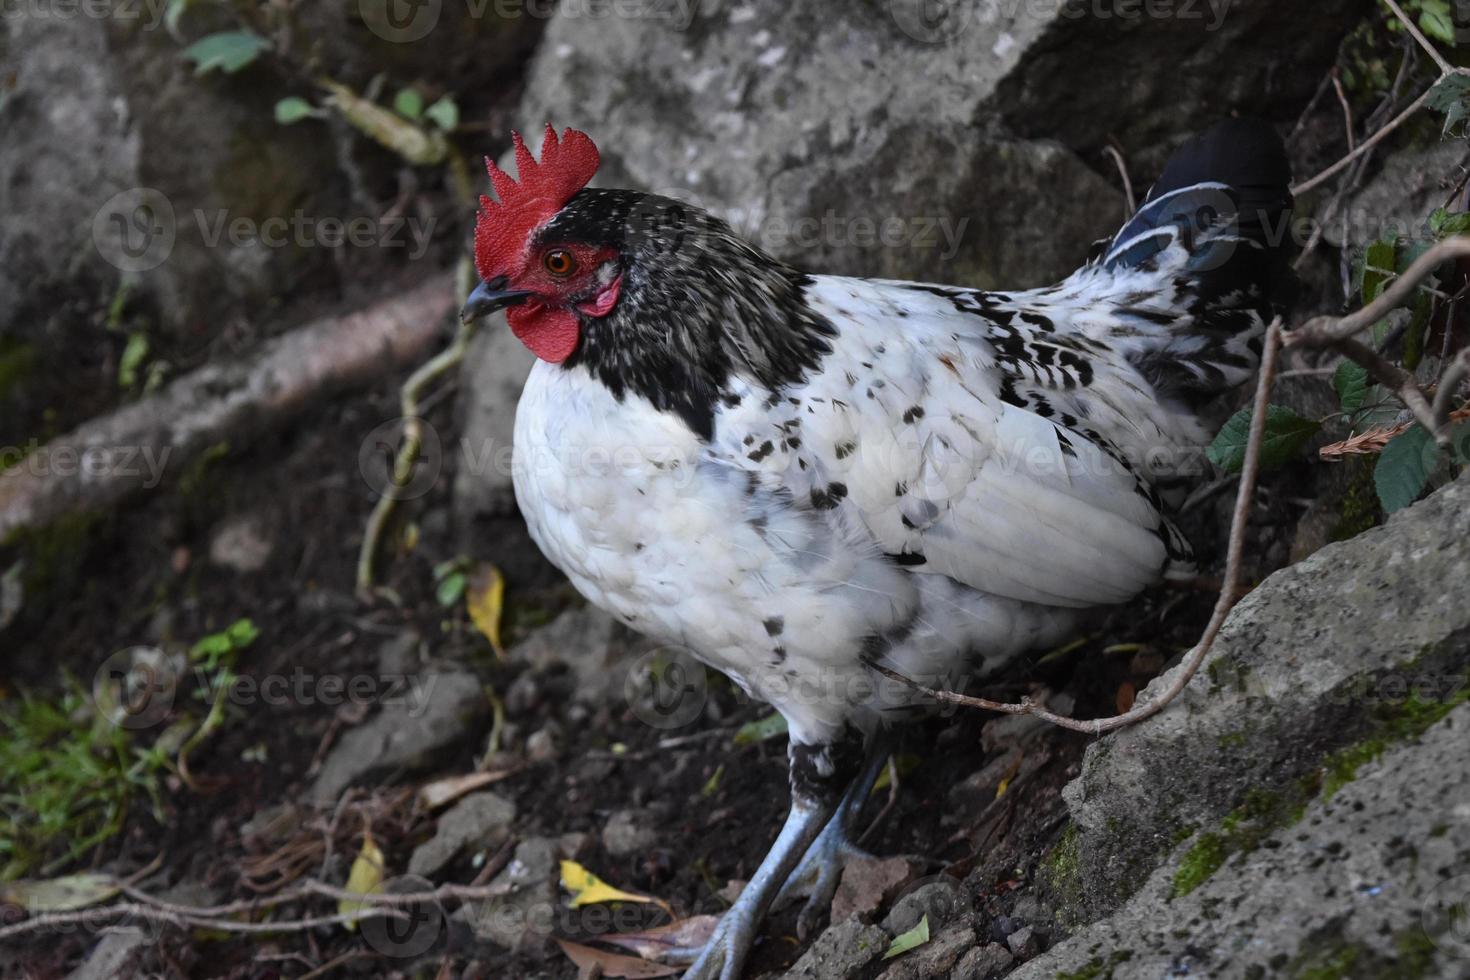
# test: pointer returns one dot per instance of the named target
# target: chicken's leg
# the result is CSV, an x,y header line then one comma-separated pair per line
x,y
820,775
819,872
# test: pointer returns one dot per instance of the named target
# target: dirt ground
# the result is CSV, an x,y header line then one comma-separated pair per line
x,y
144,575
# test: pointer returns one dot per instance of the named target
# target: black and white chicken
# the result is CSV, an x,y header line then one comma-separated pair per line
x,y
797,476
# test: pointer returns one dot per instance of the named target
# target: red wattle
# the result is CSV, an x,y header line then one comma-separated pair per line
x,y
551,334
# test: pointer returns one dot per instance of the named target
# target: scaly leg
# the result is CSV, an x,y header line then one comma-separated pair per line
x,y
820,774
817,876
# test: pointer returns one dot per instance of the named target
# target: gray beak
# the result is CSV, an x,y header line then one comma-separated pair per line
x,y
489,297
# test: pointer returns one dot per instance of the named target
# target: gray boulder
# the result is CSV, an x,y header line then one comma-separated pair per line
x,y
1308,790
956,142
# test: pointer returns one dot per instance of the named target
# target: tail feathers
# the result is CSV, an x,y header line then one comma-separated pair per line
x,y
1214,227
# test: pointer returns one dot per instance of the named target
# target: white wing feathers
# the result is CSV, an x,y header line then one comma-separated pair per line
x,y
905,431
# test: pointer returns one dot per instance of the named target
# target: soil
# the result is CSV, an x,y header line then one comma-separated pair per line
x,y
144,576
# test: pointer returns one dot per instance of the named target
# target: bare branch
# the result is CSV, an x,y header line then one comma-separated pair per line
x,y
1449,384
1366,145
1445,68
1112,151
133,447
1323,331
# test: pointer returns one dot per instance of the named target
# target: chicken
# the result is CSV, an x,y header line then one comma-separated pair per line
x,y
799,476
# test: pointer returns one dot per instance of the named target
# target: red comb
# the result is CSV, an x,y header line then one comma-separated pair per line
x,y
503,227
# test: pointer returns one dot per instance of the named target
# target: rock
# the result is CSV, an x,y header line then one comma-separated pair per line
x,y
868,883
1359,883
817,134
435,712
629,832
983,962
934,958
839,952
117,956
541,744
1400,196
1023,943
1351,646
479,820
592,645
942,899
241,544
95,187
520,921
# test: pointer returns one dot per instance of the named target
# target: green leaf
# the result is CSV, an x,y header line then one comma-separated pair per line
x,y
1378,267
1435,20
770,726
229,51
1451,96
1444,223
409,104
451,588
1350,380
444,114
905,941
1403,468
292,109
132,359
1286,433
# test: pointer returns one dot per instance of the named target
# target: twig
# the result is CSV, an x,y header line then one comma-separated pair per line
x,y
1396,378
407,457
1367,144
1449,384
1244,497
1112,151
153,909
1445,68
1322,331
1347,111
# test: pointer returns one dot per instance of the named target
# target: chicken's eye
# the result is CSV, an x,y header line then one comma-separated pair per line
x,y
560,262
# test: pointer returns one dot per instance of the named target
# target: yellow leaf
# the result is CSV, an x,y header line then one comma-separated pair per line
x,y
588,889
366,878
485,599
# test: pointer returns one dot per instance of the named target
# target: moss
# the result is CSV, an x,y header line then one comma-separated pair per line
x,y
1397,722
1098,968
1202,860
53,555
1360,509
1232,740
17,360
1331,957
1062,874
1327,965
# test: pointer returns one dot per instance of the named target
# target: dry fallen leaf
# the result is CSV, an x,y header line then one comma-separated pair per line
x,y
597,962
485,599
653,944
443,791
366,878
1125,697
60,894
